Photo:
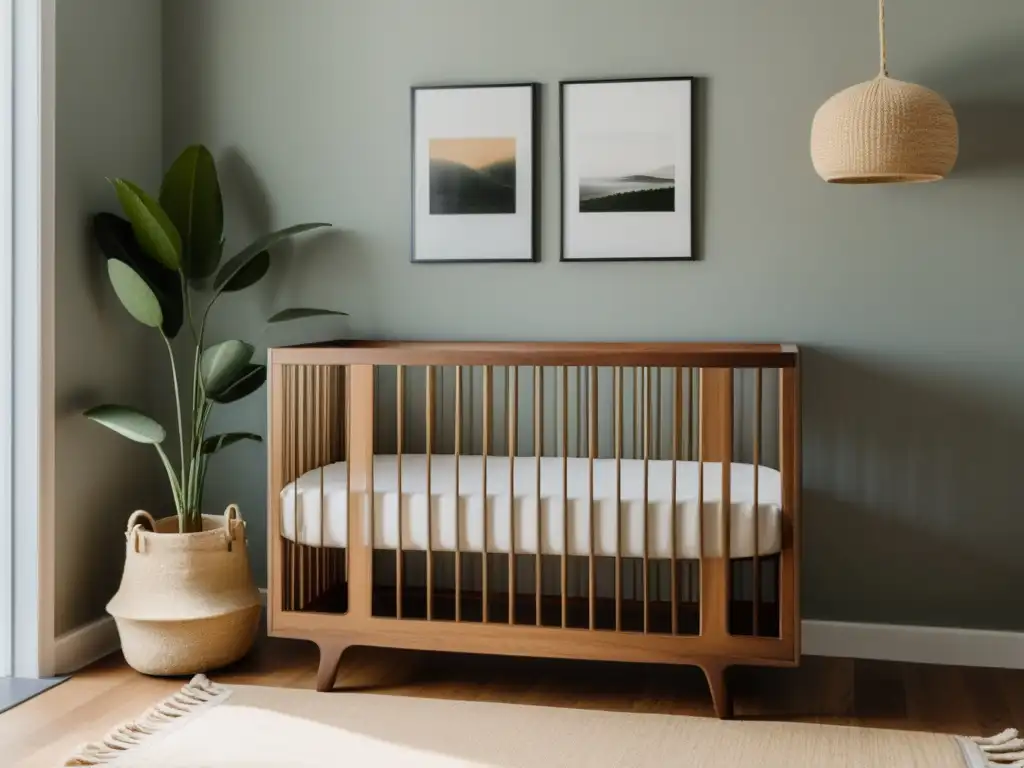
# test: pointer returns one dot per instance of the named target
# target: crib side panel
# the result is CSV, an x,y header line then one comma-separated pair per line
x,y
509,420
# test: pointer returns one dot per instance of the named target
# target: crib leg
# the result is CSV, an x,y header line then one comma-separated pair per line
x,y
721,697
330,660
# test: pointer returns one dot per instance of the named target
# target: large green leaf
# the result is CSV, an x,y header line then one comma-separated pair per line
x,y
301,313
156,233
250,379
220,442
250,274
136,296
221,364
191,197
265,243
128,422
117,241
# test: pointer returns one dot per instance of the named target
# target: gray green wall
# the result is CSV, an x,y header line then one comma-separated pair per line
x,y
905,299
108,124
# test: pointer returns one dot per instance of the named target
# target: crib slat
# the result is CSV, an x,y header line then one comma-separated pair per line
x,y
677,416
656,450
698,416
618,499
579,411
348,475
431,406
538,433
636,412
647,469
693,434
458,498
592,453
512,385
369,439
399,449
294,569
306,461
488,373
362,520
321,400
756,599
565,493
333,414
439,415
716,433
300,468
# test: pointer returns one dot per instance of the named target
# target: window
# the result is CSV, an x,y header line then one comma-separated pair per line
x,y
6,350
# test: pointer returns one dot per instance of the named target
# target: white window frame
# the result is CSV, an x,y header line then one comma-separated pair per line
x,y
6,338
27,342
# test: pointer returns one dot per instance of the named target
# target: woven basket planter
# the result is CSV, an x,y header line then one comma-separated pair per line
x,y
186,603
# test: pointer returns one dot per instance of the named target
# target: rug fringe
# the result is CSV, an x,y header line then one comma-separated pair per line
x,y
199,692
1004,750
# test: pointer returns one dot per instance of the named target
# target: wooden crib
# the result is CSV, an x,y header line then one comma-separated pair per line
x,y
614,501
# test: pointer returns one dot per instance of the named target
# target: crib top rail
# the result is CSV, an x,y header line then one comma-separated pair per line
x,y
544,353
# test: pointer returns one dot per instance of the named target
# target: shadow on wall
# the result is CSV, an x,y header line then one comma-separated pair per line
x,y
912,496
250,213
245,190
991,138
986,89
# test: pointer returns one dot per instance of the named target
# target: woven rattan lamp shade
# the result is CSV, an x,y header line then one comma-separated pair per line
x,y
884,130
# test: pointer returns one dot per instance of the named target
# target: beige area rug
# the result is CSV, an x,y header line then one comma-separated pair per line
x,y
213,726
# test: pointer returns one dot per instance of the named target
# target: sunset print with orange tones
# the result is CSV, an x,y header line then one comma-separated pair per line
x,y
472,176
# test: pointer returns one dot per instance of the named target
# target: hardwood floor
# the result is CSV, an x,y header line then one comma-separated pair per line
x,y
880,694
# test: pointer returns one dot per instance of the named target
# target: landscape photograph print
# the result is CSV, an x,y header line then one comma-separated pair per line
x,y
472,176
627,173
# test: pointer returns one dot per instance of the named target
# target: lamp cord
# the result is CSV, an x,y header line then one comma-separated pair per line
x,y
883,62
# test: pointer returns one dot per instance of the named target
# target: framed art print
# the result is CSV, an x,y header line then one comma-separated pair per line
x,y
475,173
627,170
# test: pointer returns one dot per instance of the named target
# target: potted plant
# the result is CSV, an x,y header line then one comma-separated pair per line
x,y
186,602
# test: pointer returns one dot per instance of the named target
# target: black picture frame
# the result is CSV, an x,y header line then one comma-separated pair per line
x,y
562,138
536,102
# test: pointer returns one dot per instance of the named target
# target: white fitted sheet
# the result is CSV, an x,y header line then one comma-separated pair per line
x,y
301,507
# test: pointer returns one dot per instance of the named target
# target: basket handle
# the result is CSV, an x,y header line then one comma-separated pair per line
x,y
135,526
231,513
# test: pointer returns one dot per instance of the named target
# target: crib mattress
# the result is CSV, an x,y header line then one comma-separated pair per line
x,y
327,525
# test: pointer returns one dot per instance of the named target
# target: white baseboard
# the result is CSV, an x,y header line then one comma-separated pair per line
x,y
81,647
922,645
884,642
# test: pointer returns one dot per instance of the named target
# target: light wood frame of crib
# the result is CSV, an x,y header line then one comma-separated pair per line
x,y
336,391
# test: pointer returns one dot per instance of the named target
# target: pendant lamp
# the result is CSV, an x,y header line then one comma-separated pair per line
x,y
884,131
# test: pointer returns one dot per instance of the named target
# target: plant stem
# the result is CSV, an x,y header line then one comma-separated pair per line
x,y
201,483
177,404
206,315
196,386
175,486
200,410
197,472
